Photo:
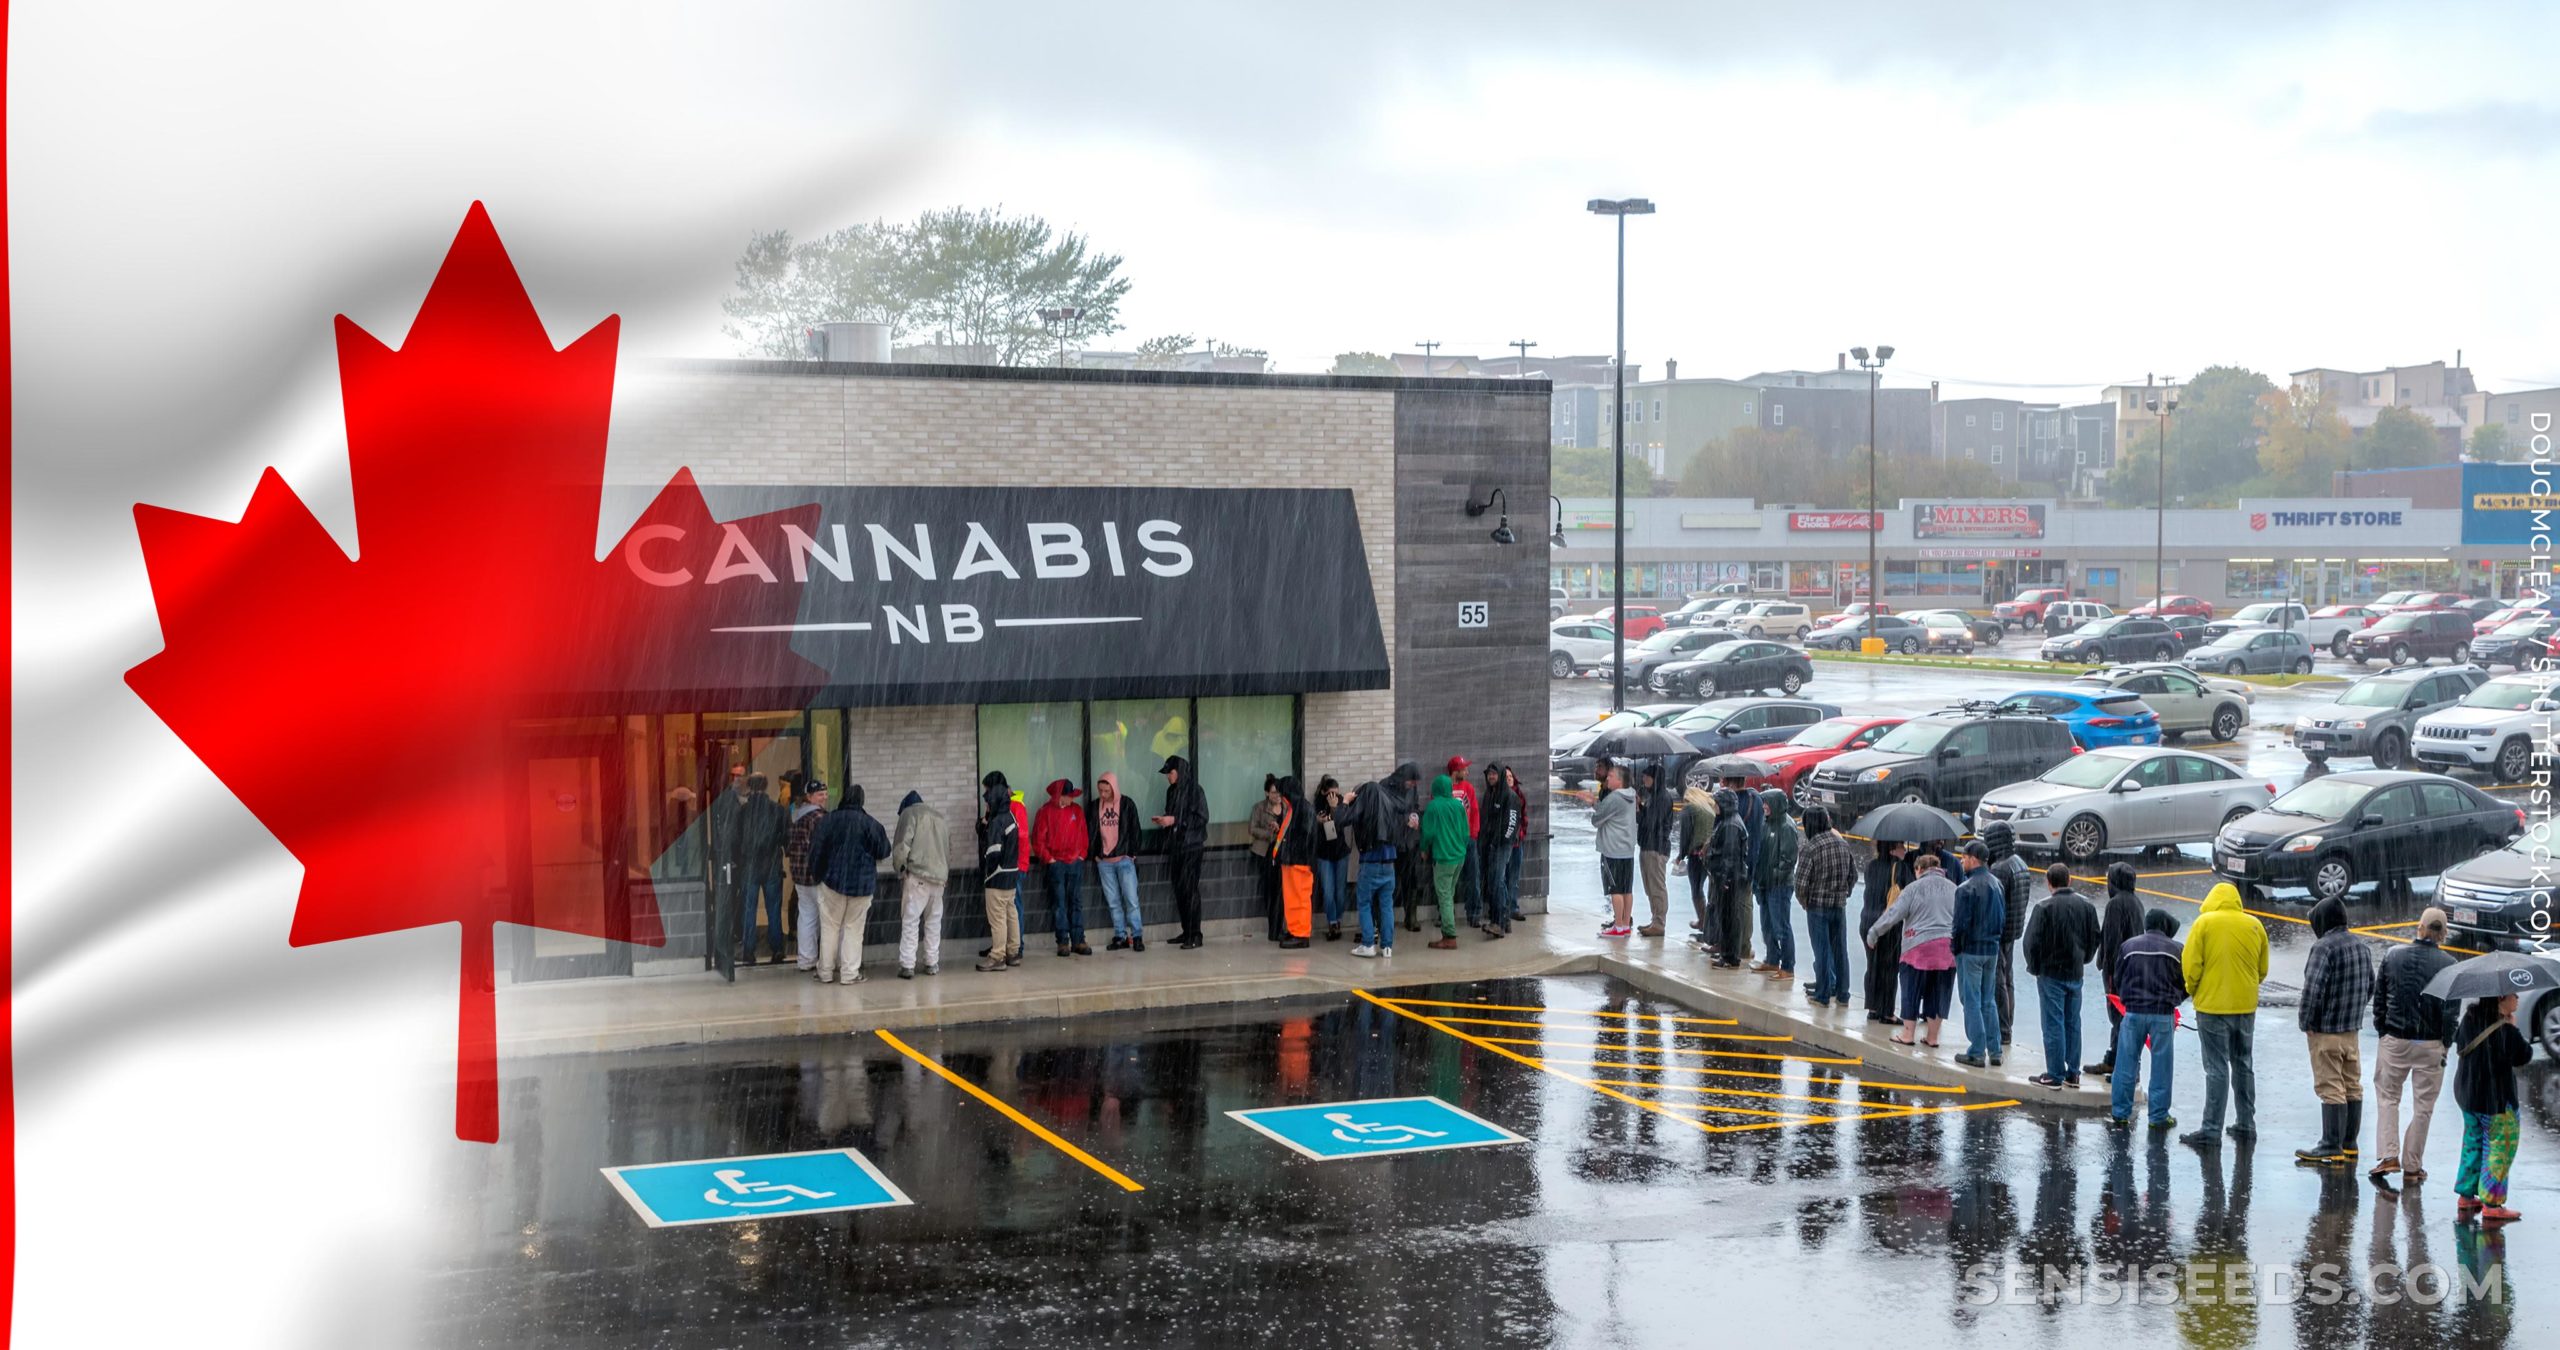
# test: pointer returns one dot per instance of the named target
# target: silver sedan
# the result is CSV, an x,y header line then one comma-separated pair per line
x,y
2122,797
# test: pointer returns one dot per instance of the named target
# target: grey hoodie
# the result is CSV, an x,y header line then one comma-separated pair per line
x,y
1926,909
1613,819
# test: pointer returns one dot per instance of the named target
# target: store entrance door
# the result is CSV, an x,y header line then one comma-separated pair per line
x,y
735,746
565,855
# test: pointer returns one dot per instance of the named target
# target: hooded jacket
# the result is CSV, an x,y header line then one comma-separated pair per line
x,y
999,836
1776,866
1444,824
2015,877
1654,813
1123,840
846,852
1728,860
1499,818
2337,974
2062,936
1982,911
750,831
1613,823
1189,807
1874,889
2150,971
805,819
1058,832
2401,1007
1404,793
923,847
1294,835
2119,923
2225,959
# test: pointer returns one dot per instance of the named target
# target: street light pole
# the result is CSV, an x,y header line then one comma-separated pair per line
x,y
1874,366
1622,208
2162,404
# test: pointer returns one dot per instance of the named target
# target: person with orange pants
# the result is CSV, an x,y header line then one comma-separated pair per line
x,y
1293,850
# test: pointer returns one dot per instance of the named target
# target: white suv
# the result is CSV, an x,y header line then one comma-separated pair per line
x,y
2493,729
2063,616
1772,619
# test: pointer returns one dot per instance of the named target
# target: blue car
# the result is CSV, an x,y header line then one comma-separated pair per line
x,y
2096,717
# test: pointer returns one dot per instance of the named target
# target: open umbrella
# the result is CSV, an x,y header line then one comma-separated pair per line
x,y
1908,823
2492,976
1729,766
1641,743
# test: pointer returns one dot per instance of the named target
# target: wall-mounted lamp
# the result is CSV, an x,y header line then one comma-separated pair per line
x,y
1556,535
1502,533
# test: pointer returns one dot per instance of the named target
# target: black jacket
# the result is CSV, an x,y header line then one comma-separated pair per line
x,y
2484,1084
1189,807
1337,846
1404,795
999,837
848,849
1501,820
2151,974
1728,860
1296,846
1883,874
2014,877
1654,817
2119,923
1124,843
2061,936
748,832
2399,1008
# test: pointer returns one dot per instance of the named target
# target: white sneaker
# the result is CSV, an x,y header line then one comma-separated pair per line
x,y
1389,950
1363,950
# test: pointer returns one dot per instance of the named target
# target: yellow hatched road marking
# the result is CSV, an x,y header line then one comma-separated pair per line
x,y
1044,1132
1684,1050
1702,1035
1573,1012
1863,1083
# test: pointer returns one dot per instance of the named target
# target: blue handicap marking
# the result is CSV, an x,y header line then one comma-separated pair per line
x,y
775,1185
1374,1128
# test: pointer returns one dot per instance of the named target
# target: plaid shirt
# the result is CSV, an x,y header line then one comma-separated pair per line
x,y
795,846
1826,871
2337,983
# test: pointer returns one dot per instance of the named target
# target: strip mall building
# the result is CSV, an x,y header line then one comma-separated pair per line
x,y
1055,574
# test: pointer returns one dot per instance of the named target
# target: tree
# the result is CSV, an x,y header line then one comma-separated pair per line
x,y
972,278
1788,466
1362,363
2213,442
1585,473
2398,439
2303,441
2489,442
1164,353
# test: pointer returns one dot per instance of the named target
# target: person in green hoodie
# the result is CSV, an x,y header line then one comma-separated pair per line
x,y
2225,961
1444,841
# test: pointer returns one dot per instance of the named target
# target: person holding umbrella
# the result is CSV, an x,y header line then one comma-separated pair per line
x,y
2490,1049
1886,873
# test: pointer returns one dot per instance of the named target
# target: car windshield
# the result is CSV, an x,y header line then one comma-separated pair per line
x,y
2239,638
1828,734
1662,641
2375,694
2255,613
2395,623
2085,771
2516,628
2099,628
1914,738
1944,621
2393,597
1719,651
1706,714
2513,694
2324,800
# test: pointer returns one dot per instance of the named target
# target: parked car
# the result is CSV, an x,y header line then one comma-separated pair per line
x,y
2062,616
2501,898
1667,646
2185,702
2124,797
1898,633
1556,602
1576,645
2391,600
1986,632
2478,608
2124,637
1688,614
2173,604
1731,588
1946,630
2329,625
2188,629
2504,615
2412,635
1727,725
2253,651
2096,717
2026,608
1772,618
2263,614
1948,759
2377,714
1791,762
2492,729
2516,644
1569,759
2415,600
1742,665
1640,621
1856,611
2337,832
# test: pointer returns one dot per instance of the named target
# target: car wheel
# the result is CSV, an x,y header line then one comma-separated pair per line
x,y
2515,760
1913,793
2164,652
2083,839
2338,646
1794,681
1560,665
2236,668
2547,1024
1802,793
2303,666
1758,631
2226,722
2461,653
2332,878
2235,813
2399,653
2389,749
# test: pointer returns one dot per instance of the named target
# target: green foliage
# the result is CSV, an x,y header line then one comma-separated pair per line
x,y
1585,473
1787,466
2213,442
2302,441
2489,443
2398,439
1371,363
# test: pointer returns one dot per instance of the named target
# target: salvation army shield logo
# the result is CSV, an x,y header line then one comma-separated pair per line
x,y
2257,520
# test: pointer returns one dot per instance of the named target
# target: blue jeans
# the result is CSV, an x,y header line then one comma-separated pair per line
x,y
1065,883
2138,1028
1120,895
1511,875
1471,885
2230,1067
2061,1002
1827,932
1981,1010
1378,903
1778,926
767,882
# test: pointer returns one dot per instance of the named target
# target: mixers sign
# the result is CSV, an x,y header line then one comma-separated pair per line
x,y
1996,521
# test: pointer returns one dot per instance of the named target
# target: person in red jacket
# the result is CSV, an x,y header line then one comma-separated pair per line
x,y
1058,844
1471,871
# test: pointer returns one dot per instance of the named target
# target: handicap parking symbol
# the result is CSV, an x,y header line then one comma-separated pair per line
x,y
775,1185
1333,1130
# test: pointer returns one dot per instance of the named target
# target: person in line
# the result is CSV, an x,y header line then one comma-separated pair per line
x,y
1613,827
756,829
1471,887
1262,827
805,816
1058,845
2119,923
2014,876
2416,1029
2337,983
1826,871
1333,854
2225,961
1185,823
920,855
1517,855
1000,872
2061,940
1373,837
846,857
1879,890
1413,866
1754,830
1925,916
1729,881
1444,837
2484,1086
1773,880
2151,977
1500,822
1112,839
1697,826
1654,818
1980,913
1294,852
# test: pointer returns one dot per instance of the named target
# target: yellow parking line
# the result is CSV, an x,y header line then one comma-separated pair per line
x,y
1577,1012
1044,1132
1670,1050
1703,1035
1714,1090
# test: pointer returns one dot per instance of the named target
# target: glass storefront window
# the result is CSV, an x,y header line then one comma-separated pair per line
x,y
1031,744
2258,579
1241,739
1132,737
827,762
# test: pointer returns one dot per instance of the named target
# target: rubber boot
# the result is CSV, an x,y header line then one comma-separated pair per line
x,y
2327,1148
2351,1130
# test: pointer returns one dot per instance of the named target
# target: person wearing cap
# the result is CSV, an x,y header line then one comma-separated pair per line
x,y
1980,906
846,857
2417,1030
1185,823
999,872
920,855
1773,880
1057,848
805,886
2151,979
1472,891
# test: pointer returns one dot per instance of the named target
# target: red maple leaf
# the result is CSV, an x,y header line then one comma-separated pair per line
x,y
360,707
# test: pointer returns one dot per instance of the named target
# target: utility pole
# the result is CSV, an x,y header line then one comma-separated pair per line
x,y
1427,349
1631,206
1521,371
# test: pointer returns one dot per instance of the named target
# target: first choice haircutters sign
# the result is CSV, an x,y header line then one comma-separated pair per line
x,y
1998,520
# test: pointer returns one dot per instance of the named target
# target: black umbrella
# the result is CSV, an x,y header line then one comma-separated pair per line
x,y
1641,743
2492,976
1908,823
1729,766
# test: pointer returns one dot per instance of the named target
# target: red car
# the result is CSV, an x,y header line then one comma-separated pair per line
x,y
2423,600
1791,762
1856,611
2170,606
2026,610
1643,621
2506,616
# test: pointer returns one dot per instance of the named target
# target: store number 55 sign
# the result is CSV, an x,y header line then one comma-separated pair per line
x,y
1474,614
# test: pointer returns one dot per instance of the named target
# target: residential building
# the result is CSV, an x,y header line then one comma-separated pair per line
x,y
2135,422
2071,448
2434,391
1836,416
1991,432
2525,414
